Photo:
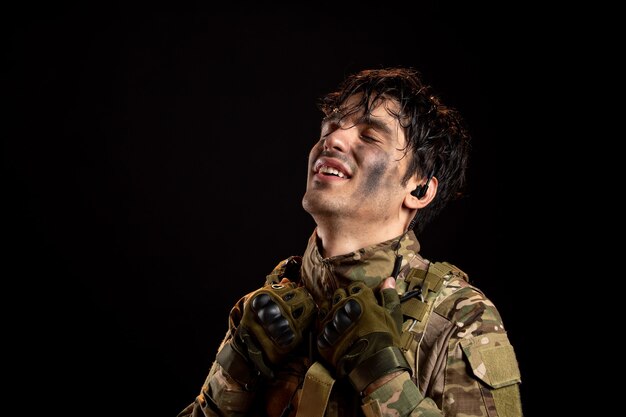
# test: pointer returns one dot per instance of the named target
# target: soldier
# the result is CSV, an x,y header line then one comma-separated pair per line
x,y
361,324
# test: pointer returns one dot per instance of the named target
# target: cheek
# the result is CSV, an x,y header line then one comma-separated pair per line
x,y
375,176
379,173
315,151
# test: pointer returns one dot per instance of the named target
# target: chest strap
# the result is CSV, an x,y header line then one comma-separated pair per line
x,y
315,392
422,289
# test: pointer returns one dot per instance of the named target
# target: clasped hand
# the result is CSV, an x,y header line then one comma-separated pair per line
x,y
358,334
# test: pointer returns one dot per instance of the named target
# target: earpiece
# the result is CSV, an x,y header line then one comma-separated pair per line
x,y
420,190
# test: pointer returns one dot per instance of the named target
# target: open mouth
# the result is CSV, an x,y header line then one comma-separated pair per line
x,y
329,168
330,171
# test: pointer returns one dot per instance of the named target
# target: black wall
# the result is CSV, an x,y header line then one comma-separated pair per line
x,y
155,161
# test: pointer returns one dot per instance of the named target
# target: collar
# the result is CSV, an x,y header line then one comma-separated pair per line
x,y
322,276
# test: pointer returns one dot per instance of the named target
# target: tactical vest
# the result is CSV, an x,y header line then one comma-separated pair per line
x,y
419,297
419,292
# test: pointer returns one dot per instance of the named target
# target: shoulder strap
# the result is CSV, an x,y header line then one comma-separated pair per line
x,y
419,299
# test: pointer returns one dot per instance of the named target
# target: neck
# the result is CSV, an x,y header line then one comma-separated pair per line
x,y
340,238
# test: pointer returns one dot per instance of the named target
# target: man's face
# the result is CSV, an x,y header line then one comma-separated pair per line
x,y
356,168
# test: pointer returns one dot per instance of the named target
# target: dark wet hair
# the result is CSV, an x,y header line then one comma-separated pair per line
x,y
437,139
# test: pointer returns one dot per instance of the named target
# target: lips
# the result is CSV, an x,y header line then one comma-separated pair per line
x,y
331,168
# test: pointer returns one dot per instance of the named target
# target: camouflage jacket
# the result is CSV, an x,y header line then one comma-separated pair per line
x,y
463,363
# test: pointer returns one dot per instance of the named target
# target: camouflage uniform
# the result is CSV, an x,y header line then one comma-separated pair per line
x,y
462,360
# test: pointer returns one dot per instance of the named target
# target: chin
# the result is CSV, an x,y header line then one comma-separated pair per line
x,y
314,205
307,202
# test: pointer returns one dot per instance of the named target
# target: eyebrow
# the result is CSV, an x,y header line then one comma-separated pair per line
x,y
367,119
376,124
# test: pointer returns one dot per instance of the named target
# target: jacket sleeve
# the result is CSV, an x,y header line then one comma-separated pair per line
x,y
220,395
399,397
481,374
478,373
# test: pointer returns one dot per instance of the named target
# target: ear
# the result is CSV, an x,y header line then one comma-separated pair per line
x,y
412,202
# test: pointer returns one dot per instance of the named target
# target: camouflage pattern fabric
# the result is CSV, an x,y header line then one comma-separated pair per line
x,y
465,363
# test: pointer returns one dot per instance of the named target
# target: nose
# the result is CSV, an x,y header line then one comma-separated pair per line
x,y
338,139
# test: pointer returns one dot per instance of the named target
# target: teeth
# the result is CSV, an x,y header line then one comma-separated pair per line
x,y
329,170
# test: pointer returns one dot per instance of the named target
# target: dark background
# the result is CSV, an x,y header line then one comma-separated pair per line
x,y
155,161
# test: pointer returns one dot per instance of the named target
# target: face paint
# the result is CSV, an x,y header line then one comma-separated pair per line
x,y
374,178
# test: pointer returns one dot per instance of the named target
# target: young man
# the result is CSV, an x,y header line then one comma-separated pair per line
x,y
361,324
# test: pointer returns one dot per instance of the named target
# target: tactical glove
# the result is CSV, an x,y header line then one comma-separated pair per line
x,y
359,336
266,326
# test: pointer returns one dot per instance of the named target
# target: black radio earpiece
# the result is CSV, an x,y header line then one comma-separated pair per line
x,y
420,190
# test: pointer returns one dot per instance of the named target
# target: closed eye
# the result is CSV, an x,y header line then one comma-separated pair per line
x,y
369,139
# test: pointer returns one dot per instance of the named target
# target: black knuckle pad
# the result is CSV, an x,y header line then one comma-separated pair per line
x,y
341,321
353,309
286,338
278,327
260,301
322,343
270,313
330,333
289,296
